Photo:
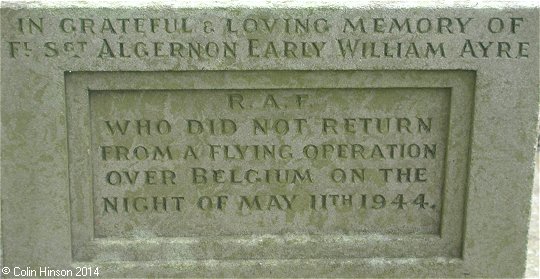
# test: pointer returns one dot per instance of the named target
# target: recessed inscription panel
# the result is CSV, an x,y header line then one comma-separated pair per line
x,y
238,162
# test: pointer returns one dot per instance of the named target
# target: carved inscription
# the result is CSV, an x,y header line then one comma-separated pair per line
x,y
267,37
226,162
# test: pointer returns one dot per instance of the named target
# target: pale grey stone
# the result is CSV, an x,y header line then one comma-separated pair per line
x,y
144,153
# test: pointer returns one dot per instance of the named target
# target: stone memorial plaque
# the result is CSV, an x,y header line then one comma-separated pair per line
x,y
262,141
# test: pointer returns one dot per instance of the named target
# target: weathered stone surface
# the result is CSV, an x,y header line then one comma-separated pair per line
x,y
268,141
